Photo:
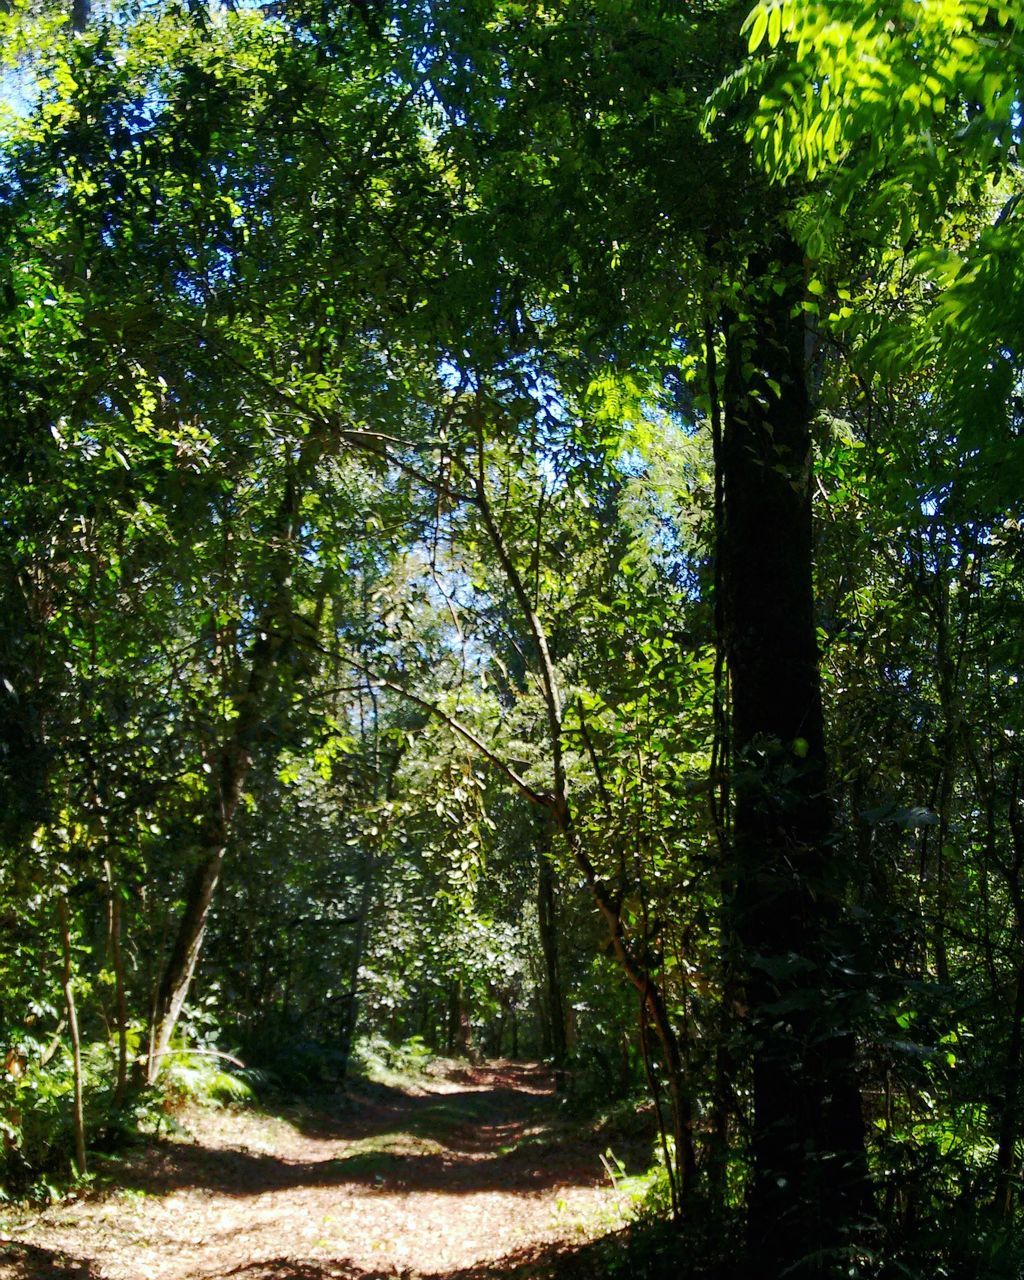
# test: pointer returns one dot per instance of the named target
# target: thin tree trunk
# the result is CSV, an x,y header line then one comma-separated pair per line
x,y
223,800
81,1167
1009,1120
121,1003
363,916
657,1014
348,1032
226,792
809,1188
547,925
655,1092
181,965
948,745
558,805
462,1027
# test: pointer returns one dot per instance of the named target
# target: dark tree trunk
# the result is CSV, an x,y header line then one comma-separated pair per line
x,y
67,985
459,1036
1009,1120
223,801
188,943
120,996
547,924
463,1026
809,1187
351,1014
251,706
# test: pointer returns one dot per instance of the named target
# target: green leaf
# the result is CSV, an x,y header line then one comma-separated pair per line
x,y
758,29
774,25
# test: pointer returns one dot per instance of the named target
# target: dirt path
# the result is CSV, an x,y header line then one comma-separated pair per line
x,y
467,1175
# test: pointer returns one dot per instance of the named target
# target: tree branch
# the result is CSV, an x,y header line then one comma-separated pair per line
x,y
536,797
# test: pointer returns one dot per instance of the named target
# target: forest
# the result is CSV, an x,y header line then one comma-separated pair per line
x,y
511,552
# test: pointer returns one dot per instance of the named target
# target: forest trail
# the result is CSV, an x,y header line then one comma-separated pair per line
x,y
468,1173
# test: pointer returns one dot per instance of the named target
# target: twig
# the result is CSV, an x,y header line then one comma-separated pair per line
x,y
203,1053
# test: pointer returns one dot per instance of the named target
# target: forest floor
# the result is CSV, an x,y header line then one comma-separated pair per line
x,y
467,1172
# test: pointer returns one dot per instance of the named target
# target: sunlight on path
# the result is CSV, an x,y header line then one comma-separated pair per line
x,y
466,1169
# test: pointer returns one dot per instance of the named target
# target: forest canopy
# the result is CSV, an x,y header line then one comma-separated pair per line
x,y
510,545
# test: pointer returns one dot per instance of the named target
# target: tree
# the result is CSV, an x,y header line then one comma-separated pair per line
x,y
443,445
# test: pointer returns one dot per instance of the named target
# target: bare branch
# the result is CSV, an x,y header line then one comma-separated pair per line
x,y
536,797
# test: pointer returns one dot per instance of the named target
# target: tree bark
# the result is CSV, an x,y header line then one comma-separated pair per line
x,y
121,1002
547,927
1009,1120
235,760
67,984
809,1187
351,1015
188,943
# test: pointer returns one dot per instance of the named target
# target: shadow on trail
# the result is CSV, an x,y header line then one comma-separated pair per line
x,y
241,1173
557,1262
474,1137
42,1264
517,1091
453,1119
479,1130
615,1254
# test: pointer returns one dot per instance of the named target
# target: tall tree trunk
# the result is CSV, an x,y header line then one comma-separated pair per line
x,y
809,1185
235,760
67,985
351,1015
547,926
1009,1120
120,997
188,943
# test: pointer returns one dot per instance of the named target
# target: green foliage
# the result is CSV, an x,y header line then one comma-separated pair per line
x,y
192,1076
36,1092
377,1058
899,130
361,529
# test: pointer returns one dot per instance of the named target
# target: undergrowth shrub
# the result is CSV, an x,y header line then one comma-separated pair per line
x,y
36,1114
290,1062
375,1055
205,1077
37,1105
598,1075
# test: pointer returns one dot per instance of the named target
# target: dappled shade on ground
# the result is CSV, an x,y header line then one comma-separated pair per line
x,y
470,1173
